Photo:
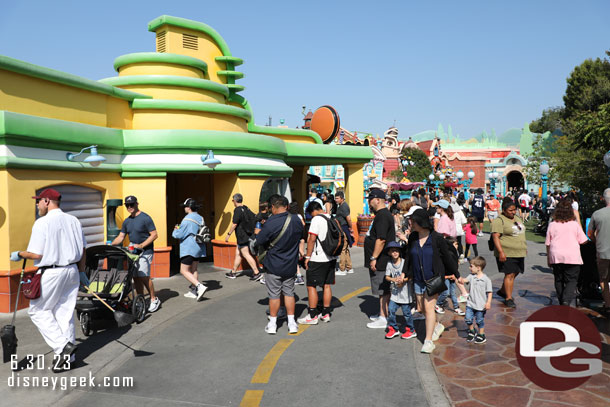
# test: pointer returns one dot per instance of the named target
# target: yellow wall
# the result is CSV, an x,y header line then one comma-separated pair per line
x,y
354,179
25,94
152,200
155,68
177,93
207,49
22,185
298,182
144,119
225,186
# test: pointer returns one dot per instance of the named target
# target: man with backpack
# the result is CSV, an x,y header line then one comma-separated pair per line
x,y
477,205
325,241
313,196
243,226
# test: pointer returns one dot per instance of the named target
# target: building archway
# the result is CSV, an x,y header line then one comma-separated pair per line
x,y
515,180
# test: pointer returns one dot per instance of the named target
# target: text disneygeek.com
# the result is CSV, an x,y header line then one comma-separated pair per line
x,y
64,382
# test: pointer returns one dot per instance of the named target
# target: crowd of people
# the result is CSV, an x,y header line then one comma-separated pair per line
x,y
412,252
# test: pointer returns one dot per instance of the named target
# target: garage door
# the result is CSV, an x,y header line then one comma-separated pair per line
x,y
86,204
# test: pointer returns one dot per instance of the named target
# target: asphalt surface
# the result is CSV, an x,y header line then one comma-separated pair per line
x,y
207,353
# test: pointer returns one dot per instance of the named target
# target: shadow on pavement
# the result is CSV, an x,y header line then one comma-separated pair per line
x,y
542,269
369,305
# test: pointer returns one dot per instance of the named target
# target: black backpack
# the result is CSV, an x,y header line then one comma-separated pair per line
x,y
335,238
203,233
249,220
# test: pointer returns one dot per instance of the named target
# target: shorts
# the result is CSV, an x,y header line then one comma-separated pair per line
x,y
492,215
525,209
473,315
512,265
379,285
276,285
603,266
420,288
478,218
320,273
241,246
188,260
143,268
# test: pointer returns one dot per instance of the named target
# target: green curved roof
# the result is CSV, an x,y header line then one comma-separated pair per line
x,y
233,74
235,88
159,57
163,104
167,80
191,25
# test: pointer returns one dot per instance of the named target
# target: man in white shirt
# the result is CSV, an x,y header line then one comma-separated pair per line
x,y
57,246
320,266
524,204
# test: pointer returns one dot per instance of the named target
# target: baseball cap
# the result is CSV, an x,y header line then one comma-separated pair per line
x,y
443,203
376,193
49,193
131,199
190,202
413,209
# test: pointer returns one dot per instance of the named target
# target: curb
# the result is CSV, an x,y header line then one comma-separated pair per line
x,y
434,390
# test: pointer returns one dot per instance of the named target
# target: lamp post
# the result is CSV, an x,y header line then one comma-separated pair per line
x,y
607,162
544,170
493,176
466,183
436,183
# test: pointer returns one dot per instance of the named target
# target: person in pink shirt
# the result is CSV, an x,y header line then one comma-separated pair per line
x,y
445,224
471,232
563,239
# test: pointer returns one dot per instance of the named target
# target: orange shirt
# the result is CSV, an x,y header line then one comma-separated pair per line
x,y
492,205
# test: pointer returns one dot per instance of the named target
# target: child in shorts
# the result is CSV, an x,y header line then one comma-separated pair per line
x,y
479,299
401,294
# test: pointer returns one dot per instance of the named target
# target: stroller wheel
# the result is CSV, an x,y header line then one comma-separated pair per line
x,y
138,308
85,323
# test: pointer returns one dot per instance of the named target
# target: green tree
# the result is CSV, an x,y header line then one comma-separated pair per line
x,y
550,120
421,167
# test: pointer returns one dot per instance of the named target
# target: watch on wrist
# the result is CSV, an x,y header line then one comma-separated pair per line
x,y
372,258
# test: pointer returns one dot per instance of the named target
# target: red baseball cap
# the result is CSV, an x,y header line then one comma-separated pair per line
x,y
49,193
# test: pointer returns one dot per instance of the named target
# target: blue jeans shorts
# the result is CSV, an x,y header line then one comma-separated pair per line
x,y
420,288
473,314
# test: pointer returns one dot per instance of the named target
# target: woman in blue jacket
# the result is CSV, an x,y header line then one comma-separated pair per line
x,y
190,250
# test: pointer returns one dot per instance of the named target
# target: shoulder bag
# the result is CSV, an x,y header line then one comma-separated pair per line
x,y
436,284
263,252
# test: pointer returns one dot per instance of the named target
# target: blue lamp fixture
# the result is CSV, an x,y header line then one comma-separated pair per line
x,y
466,183
438,183
493,176
94,159
210,160
544,170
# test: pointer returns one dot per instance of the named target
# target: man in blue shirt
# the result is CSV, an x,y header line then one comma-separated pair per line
x,y
280,262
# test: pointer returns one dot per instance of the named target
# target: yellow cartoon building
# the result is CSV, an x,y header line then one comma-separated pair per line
x,y
154,124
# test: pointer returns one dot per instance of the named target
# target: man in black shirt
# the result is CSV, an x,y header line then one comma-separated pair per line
x,y
375,258
243,240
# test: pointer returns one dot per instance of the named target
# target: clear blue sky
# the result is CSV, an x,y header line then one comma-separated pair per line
x,y
476,65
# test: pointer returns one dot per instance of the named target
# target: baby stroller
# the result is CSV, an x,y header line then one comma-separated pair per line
x,y
110,272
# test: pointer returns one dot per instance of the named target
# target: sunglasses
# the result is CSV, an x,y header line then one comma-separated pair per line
x,y
129,205
518,225
37,201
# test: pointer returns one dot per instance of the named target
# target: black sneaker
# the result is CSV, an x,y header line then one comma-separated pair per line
x,y
256,277
480,338
231,275
499,293
510,303
471,335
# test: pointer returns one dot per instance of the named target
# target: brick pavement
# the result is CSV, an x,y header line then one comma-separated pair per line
x,y
474,375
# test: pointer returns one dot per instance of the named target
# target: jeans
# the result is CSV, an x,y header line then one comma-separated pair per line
x,y
479,316
474,248
449,291
406,311
566,279
460,246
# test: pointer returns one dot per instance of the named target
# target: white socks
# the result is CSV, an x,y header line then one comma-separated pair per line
x,y
291,319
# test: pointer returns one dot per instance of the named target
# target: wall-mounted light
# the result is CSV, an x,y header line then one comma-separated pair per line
x,y
94,159
210,160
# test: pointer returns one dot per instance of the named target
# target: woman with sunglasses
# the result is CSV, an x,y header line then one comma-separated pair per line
x,y
510,248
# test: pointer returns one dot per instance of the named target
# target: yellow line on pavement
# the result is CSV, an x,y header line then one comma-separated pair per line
x,y
264,370
353,294
252,398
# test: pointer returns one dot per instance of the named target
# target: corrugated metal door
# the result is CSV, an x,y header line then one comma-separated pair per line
x,y
86,204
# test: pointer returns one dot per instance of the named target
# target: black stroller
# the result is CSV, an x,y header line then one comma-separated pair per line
x,y
110,272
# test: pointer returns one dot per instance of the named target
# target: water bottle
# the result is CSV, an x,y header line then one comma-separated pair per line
x,y
258,225
108,242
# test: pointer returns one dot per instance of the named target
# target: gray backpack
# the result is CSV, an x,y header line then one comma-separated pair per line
x,y
203,233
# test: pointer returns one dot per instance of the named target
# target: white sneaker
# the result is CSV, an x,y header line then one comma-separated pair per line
x,y
350,271
439,309
374,317
271,329
325,318
200,291
340,273
459,311
293,328
428,347
480,234
190,294
438,331
381,323
418,316
154,305
307,320
262,280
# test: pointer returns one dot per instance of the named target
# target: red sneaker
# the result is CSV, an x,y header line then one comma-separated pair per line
x,y
408,334
392,333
